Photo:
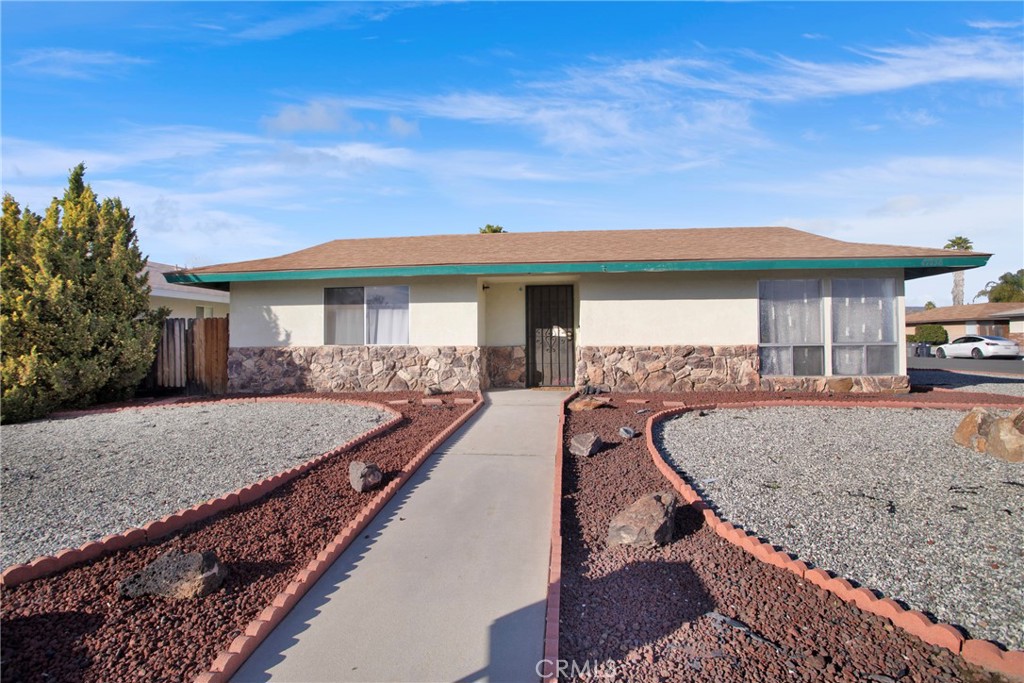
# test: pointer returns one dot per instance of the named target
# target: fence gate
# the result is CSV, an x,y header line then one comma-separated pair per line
x,y
192,354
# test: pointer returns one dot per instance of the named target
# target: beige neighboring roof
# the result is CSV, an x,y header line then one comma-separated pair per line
x,y
950,314
594,246
159,286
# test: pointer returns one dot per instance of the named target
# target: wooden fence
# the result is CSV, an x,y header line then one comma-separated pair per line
x,y
193,355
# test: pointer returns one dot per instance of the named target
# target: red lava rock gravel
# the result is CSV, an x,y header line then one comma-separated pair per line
x,y
74,627
701,609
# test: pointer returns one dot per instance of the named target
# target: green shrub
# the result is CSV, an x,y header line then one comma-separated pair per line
x,y
931,333
74,308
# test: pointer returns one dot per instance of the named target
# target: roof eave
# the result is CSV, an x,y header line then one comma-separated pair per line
x,y
914,267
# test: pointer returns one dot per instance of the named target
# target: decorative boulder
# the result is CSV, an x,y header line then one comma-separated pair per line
x,y
647,523
626,432
364,476
176,575
588,403
1006,440
585,445
973,430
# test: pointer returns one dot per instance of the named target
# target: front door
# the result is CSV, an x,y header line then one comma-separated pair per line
x,y
550,350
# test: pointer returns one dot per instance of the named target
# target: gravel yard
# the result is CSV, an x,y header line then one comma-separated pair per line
x,y
69,481
880,496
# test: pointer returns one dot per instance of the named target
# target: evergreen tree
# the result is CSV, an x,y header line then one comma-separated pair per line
x,y
74,310
491,229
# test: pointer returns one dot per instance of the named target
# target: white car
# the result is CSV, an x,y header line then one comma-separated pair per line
x,y
978,346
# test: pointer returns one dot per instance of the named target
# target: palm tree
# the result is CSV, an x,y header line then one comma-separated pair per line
x,y
1009,287
491,229
959,243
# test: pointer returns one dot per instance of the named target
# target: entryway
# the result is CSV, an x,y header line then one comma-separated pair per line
x,y
550,336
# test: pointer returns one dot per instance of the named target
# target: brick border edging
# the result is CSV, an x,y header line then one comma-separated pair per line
x,y
229,660
983,653
48,565
553,601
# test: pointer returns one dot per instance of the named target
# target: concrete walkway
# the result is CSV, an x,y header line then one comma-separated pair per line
x,y
448,582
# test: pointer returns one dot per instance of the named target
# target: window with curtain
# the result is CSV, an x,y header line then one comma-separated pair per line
x,y
864,326
791,335
366,315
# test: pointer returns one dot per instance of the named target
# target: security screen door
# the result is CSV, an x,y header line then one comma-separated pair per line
x,y
550,348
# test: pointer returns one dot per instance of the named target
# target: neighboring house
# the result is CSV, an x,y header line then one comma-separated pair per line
x,y
185,301
647,310
997,319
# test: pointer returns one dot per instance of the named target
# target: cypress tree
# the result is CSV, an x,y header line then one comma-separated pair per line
x,y
74,309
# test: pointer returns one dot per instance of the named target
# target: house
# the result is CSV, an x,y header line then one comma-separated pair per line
x,y
184,301
997,319
648,310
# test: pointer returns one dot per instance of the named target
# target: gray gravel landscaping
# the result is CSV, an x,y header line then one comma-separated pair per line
x,y
880,496
69,481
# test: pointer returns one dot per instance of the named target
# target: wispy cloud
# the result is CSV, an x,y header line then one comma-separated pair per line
x,y
402,128
868,70
876,70
23,159
77,64
316,115
334,14
987,25
915,118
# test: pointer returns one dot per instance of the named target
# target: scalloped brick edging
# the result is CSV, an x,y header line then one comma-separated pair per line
x,y
983,653
47,565
228,661
553,602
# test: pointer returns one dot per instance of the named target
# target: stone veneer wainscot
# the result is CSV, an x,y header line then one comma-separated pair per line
x,y
668,368
706,368
353,368
506,366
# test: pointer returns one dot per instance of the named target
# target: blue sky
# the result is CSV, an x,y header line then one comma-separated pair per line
x,y
239,130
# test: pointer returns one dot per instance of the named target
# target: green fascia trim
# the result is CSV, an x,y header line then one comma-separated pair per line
x,y
919,266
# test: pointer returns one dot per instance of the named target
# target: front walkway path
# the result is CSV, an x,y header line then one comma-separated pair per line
x,y
448,583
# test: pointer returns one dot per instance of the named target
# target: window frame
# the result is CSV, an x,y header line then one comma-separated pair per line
x,y
366,293
792,346
865,346
828,345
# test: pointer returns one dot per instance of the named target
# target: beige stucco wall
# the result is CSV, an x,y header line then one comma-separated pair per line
x,y
644,309
505,315
186,308
442,311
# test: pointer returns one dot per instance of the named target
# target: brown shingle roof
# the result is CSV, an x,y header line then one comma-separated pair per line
x,y
949,314
594,246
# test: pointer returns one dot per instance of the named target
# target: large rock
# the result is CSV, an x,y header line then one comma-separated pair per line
x,y
588,403
585,445
648,522
176,575
364,476
1006,440
972,432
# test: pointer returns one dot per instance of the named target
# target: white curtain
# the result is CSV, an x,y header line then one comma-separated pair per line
x,y
790,311
343,315
864,326
387,315
863,310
